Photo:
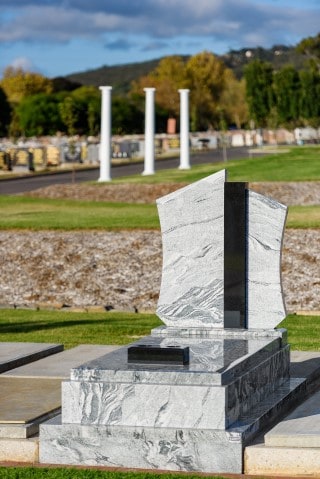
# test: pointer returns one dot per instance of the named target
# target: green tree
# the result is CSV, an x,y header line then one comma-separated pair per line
x,y
310,47
5,113
69,114
310,96
287,92
206,76
17,84
167,78
87,104
39,115
233,101
259,94
126,117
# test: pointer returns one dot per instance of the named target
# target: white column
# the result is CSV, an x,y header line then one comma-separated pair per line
x,y
105,134
184,130
149,132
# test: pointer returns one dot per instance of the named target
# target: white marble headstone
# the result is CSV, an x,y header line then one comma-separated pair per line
x,y
192,287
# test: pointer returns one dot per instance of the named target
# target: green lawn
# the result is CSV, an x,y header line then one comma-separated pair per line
x,y
41,214
303,332
72,329
73,473
18,212
303,217
297,164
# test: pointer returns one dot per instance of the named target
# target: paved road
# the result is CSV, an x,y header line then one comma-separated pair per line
x,y
21,185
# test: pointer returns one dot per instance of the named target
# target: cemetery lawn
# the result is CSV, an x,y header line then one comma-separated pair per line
x,y
18,212
82,473
72,328
292,164
303,217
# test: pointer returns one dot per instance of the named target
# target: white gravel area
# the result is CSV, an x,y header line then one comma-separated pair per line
x,y
122,269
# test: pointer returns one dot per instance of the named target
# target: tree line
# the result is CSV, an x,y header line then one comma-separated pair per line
x,y
33,105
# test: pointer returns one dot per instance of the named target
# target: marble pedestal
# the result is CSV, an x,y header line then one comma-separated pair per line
x,y
196,417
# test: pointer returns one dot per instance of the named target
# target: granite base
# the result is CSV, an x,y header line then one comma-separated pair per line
x,y
173,449
193,417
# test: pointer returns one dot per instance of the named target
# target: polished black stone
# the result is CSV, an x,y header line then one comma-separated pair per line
x,y
148,353
235,254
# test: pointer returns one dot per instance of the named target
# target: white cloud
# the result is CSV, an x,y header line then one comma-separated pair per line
x,y
23,62
230,21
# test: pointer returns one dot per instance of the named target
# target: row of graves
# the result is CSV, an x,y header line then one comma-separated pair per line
x,y
56,152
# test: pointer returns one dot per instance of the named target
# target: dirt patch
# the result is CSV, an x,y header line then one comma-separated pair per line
x,y
288,193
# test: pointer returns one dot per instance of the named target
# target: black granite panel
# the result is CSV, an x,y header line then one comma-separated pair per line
x,y
235,247
155,354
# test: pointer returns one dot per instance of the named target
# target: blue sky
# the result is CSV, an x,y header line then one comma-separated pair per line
x,y
58,37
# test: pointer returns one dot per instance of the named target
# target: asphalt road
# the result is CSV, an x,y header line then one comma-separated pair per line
x,y
30,183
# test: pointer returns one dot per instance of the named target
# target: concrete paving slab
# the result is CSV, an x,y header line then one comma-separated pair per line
x,y
19,450
301,428
56,368
59,365
13,355
23,401
305,364
261,460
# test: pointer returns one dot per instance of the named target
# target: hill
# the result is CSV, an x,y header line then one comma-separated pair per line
x,y
278,56
121,76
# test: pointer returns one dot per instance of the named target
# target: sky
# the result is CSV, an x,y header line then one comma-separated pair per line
x,y
60,37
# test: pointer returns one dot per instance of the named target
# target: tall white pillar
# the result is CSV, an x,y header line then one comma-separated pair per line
x,y
184,130
105,152
149,132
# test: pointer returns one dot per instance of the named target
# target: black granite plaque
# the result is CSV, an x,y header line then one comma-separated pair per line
x,y
235,255
150,354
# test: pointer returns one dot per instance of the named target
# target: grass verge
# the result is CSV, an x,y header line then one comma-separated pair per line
x,y
303,217
37,214
41,214
73,473
303,332
72,328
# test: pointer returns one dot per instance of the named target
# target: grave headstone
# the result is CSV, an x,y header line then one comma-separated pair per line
x,y
192,394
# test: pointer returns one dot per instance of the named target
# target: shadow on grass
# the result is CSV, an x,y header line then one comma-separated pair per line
x,y
28,327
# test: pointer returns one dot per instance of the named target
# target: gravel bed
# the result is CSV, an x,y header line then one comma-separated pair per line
x,y
122,270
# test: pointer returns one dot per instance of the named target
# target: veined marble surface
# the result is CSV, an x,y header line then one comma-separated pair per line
x,y
192,287
212,361
145,448
192,226
266,308
174,405
163,448
145,405
201,333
